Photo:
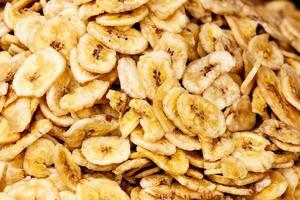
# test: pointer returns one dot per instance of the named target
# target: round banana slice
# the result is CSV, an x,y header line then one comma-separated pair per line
x,y
68,171
5,65
38,73
265,52
125,42
89,10
19,113
151,126
155,180
38,157
154,68
165,8
161,191
183,141
190,34
131,166
32,188
130,80
7,136
52,8
286,146
105,150
201,73
259,105
240,116
235,190
177,164
99,188
200,116
177,48
57,91
129,122
233,168
96,126
195,8
290,81
123,19
216,149
249,140
93,56
37,130
116,6
26,26
210,34
170,109
174,24
269,86
162,147
150,31
57,33
79,73
85,96
277,187
222,92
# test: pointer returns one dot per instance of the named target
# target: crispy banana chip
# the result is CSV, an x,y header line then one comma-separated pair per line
x,y
105,150
6,135
201,185
200,116
233,168
259,105
234,190
165,8
99,188
162,147
286,146
115,6
155,180
126,42
131,165
183,141
38,72
150,31
129,122
268,84
176,164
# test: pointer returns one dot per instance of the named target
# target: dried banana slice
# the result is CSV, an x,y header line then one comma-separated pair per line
x,y
190,34
150,31
57,33
177,164
259,105
96,126
162,147
155,180
195,8
19,113
52,8
68,171
183,141
38,73
289,81
154,68
131,165
7,136
151,126
280,131
130,80
286,146
277,187
222,92
165,8
177,48
129,122
37,130
117,100
174,23
200,116
235,190
250,141
116,6
238,113
268,84
130,41
161,191
265,52
99,188
93,56
89,10
201,73
123,19
233,168
105,150
85,96
209,36
38,157
201,185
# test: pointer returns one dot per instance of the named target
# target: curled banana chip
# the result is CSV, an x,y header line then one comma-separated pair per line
x,y
32,77
116,6
125,42
129,122
233,168
7,136
155,180
93,56
201,185
150,31
131,165
164,8
183,141
105,150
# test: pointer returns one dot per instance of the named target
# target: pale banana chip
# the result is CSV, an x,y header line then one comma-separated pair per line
x,y
234,190
38,157
161,191
131,165
123,19
190,34
162,147
286,146
183,141
85,96
129,122
200,116
175,45
115,6
6,135
37,130
52,8
249,140
66,168
148,172
117,100
210,36
38,72
105,150
93,56
258,104
174,23
177,164
89,10
126,42
195,184
195,8
165,8
130,80
233,168
150,31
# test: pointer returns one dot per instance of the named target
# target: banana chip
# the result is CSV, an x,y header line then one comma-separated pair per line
x,y
116,6
131,165
7,136
126,42
201,185
31,79
216,149
129,122
105,150
233,168
150,31
183,141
